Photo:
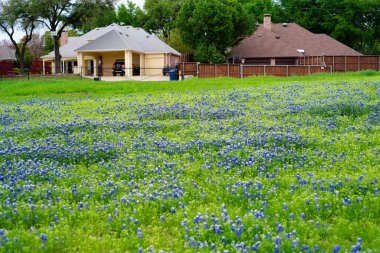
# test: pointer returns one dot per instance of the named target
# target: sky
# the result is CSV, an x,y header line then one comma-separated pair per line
x,y
18,35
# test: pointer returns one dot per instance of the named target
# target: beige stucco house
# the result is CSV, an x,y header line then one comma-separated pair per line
x,y
98,49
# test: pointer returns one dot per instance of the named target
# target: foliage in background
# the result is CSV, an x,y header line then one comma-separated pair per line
x,y
220,24
355,23
130,14
48,43
175,41
36,46
257,9
95,13
18,14
208,54
161,16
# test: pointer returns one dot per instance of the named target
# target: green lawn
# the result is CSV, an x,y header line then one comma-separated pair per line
x,y
14,89
261,164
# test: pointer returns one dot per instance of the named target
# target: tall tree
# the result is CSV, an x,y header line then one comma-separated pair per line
x,y
161,16
130,14
57,15
307,13
356,23
18,15
212,27
257,9
36,46
96,13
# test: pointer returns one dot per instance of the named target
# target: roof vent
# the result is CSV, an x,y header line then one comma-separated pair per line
x,y
284,24
127,35
147,36
302,51
278,37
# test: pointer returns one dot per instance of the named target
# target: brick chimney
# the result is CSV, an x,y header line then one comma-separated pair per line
x,y
64,38
267,22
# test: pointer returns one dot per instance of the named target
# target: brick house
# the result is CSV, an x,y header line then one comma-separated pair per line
x,y
282,44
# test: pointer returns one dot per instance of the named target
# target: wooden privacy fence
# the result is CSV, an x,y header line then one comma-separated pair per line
x,y
343,63
241,71
5,67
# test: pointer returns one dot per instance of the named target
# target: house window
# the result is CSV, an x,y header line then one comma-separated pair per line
x,y
75,63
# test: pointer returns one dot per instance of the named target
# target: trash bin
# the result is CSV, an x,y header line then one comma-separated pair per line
x,y
173,75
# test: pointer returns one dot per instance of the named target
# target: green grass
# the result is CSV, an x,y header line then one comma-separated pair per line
x,y
89,163
16,89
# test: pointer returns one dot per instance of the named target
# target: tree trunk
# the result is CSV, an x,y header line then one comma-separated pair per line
x,y
57,56
22,61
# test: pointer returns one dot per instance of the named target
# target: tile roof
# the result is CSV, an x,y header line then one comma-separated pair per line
x,y
7,53
114,38
285,40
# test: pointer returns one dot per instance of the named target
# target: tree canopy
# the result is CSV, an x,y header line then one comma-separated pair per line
x,y
161,16
18,14
130,14
213,27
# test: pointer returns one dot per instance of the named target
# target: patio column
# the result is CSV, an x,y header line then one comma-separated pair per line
x,y
81,63
128,63
43,67
95,60
142,64
63,67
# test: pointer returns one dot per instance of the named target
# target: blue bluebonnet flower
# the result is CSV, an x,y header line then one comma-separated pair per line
x,y
43,237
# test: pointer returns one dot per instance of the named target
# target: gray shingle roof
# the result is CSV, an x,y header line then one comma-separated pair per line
x,y
7,53
114,37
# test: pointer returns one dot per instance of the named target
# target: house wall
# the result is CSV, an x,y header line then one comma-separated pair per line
x,y
154,63
136,59
108,59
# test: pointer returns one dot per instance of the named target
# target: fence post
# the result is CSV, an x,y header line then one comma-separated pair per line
x,y
265,70
309,70
359,59
198,69
345,63
287,70
215,71
379,62
228,70
333,63
241,71
183,71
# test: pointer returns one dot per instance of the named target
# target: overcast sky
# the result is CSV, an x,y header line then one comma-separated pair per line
x,y
19,35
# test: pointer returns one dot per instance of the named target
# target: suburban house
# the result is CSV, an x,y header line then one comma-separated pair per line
x,y
282,44
7,60
7,54
98,50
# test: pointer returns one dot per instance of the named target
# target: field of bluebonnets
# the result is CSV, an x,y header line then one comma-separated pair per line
x,y
277,167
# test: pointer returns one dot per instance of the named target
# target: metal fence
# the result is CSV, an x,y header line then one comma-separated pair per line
x,y
241,71
98,74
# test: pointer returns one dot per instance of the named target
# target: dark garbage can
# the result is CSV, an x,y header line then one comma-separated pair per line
x,y
173,75
165,70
